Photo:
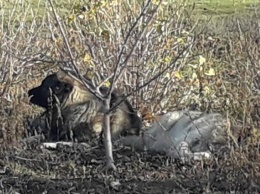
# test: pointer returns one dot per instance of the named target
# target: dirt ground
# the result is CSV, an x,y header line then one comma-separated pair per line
x,y
79,169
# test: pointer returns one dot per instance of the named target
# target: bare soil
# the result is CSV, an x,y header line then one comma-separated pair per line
x,y
79,169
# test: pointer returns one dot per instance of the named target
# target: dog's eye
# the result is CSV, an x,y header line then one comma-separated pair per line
x,y
57,88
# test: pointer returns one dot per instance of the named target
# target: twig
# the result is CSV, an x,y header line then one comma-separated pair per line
x,y
73,63
124,63
153,78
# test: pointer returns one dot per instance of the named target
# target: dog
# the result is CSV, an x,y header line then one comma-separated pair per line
x,y
74,113
186,135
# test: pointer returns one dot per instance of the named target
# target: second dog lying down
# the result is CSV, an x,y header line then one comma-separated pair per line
x,y
183,134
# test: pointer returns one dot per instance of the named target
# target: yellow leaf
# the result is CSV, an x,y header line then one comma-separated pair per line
x,y
178,74
155,2
201,60
87,58
180,40
106,84
207,90
211,72
71,18
167,59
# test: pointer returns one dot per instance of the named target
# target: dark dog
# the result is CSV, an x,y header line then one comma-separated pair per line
x,y
73,112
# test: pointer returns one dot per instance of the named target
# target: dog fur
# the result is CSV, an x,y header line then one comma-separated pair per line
x,y
73,112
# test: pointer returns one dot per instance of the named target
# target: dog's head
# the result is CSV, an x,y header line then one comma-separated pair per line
x,y
50,86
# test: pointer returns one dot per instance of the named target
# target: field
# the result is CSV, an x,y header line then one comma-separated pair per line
x,y
212,50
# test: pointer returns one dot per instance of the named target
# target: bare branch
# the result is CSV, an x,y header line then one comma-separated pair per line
x,y
73,63
153,78
124,63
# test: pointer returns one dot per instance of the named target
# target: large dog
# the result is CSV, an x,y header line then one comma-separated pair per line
x,y
74,113
186,135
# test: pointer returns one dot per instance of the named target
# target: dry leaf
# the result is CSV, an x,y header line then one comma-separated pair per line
x,y
178,74
106,84
202,60
211,72
180,40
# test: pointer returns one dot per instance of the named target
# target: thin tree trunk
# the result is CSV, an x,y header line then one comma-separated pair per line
x,y
107,140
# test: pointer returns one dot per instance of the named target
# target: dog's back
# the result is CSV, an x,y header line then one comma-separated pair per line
x,y
78,107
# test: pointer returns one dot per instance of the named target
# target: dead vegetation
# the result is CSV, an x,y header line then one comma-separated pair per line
x,y
218,73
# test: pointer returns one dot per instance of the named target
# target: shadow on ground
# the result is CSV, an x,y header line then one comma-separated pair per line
x,y
79,169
